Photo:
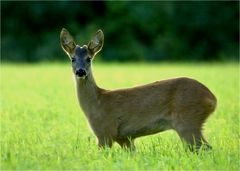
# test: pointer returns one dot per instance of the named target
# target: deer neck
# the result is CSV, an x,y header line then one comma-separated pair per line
x,y
88,94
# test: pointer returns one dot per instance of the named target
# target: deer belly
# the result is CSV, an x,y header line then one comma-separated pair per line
x,y
137,130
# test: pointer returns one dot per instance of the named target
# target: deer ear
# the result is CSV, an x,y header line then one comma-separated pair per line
x,y
96,43
67,42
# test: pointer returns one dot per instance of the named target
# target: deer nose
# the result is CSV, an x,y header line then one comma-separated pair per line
x,y
81,72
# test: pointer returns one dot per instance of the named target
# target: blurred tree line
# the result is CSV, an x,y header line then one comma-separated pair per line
x,y
143,31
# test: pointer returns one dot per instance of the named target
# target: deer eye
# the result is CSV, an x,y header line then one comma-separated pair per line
x,y
73,59
88,59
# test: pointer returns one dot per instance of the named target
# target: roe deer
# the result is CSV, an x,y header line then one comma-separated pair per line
x,y
181,104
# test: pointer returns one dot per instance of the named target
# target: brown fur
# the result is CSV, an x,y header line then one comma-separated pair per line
x,y
182,104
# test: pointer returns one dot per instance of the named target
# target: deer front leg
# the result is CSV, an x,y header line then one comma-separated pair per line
x,y
104,142
126,143
106,132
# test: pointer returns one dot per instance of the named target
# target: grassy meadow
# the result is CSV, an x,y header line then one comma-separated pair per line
x,y
43,127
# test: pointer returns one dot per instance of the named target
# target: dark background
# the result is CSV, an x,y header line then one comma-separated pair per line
x,y
134,31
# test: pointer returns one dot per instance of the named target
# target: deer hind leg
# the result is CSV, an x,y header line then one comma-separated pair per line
x,y
127,143
194,138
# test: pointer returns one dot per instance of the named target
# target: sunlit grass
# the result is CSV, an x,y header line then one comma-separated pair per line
x,y
42,126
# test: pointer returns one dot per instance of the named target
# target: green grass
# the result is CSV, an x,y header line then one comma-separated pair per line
x,y
43,128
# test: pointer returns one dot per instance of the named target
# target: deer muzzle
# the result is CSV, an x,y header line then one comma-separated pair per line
x,y
80,72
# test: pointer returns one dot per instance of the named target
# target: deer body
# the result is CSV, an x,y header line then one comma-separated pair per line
x,y
182,104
